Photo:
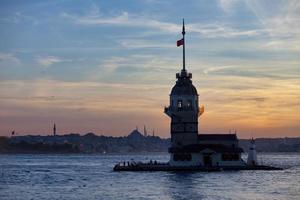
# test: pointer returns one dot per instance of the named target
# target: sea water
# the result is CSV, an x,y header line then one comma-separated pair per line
x,y
44,176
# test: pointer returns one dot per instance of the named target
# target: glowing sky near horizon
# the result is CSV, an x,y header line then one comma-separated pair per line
x,y
108,66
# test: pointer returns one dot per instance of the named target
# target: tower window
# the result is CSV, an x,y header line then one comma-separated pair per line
x,y
179,104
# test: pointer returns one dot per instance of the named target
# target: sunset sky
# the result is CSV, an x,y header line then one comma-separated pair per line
x,y
108,66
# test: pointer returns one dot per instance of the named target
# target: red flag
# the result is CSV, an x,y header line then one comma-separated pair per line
x,y
180,42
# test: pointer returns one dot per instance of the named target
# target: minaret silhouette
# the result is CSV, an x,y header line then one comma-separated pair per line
x,y
145,131
54,129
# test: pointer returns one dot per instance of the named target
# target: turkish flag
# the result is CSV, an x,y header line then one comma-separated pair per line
x,y
180,42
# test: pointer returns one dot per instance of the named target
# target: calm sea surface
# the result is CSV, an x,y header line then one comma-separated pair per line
x,y
91,177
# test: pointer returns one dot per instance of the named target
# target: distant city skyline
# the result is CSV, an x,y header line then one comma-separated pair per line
x,y
109,66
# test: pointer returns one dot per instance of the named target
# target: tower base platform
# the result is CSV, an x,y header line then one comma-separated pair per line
x,y
167,167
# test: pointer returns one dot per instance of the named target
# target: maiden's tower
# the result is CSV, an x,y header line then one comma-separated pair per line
x,y
190,150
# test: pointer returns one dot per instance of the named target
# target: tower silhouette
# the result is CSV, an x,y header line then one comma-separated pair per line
x,y
184,106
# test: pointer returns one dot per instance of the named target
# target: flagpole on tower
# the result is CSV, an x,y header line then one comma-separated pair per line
x,y
183,49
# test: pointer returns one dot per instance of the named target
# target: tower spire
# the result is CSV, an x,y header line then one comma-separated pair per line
x,y
183,49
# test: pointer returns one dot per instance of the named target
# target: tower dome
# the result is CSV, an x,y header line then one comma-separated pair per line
x,y
184,85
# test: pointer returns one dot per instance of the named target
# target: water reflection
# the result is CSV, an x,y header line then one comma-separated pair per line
x,y
91,177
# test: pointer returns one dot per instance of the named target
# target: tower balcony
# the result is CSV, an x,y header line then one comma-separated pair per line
x,y
184,74
180,111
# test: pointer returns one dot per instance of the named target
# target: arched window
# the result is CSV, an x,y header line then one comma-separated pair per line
x,y
179,104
